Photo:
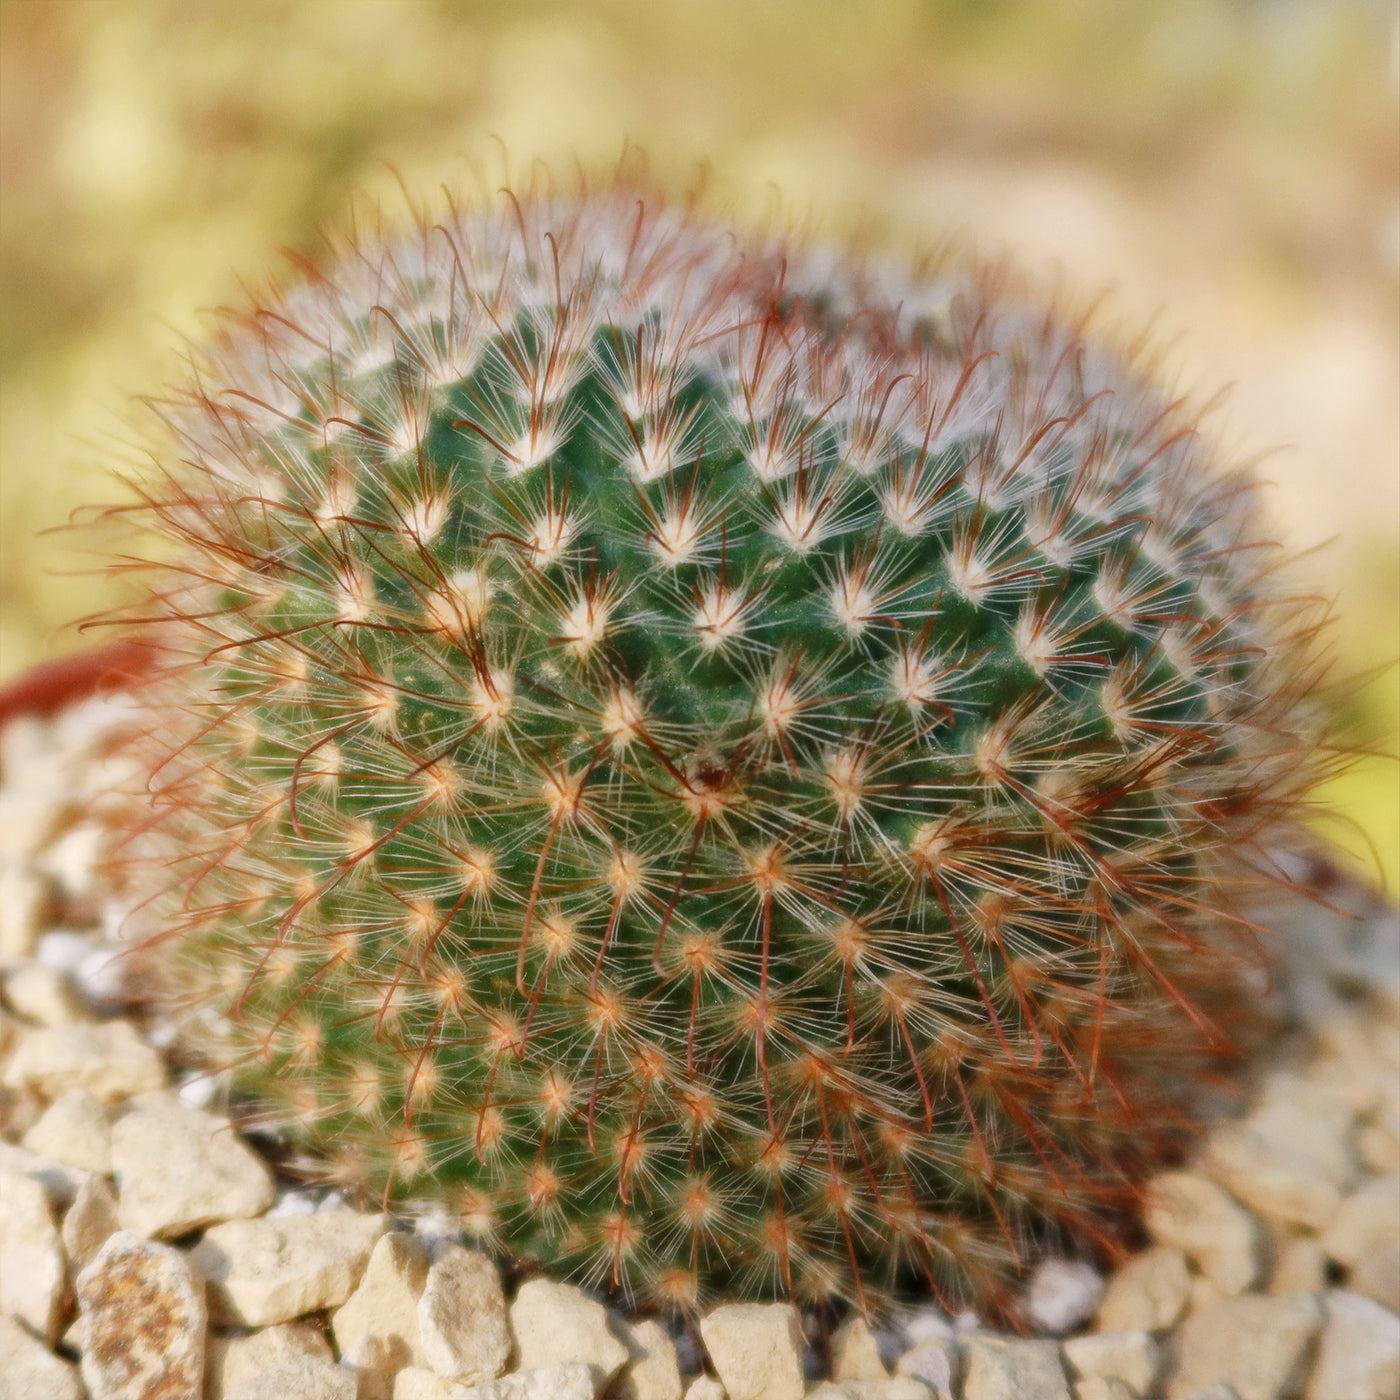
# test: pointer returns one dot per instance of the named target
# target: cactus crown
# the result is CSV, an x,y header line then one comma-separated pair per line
x,y
716,764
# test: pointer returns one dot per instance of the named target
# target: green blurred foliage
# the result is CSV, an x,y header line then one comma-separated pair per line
x,y
1230,166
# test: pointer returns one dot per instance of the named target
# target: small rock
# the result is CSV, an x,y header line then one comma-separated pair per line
x,y
1200,1218
1301,1267
757,1350
20,1108
1149,1293
143,1317
1005,1368
22,897
178,1168
265,1271
928,1325
59,1181
419,1383
855,1354
462,1327
90,1221
109,1060
654,1373
74,1129
32,1371
1255,1344
1368,1220
72,859
1360,1354
376,1330
1377,1276
936,1364
569,1381
556,1322
31,1260
886,1388
705,1388
1063,1293
1218,1391
43,995
302,1377
229,1362
1104,1388
1130,1357
1290,1159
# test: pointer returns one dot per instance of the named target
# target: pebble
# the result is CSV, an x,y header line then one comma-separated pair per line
x,y
1006,1368
705,1388
74,1129
1377,1276
1130,1357
887,1388
1290,1159
1063,1293
556,1322
265,1271
31,1258
855,1352
32,1371
90,1221
143,1317
178,1168
757,1350
936,1364
43,995
109,1060
19,1109
655,1372
462,1326
1301,1267
568,1381
376,1329
302,1377
1367,1221
231,1361
60,1181
1359,1358
1255,1344
1104,1388
1148,1293
22,898
1200,1218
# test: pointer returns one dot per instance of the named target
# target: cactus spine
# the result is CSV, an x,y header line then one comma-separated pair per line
x,y
721,766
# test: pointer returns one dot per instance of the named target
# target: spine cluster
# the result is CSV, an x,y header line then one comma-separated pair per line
x,y
722,767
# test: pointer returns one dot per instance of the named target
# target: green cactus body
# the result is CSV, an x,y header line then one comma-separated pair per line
x,y
715,765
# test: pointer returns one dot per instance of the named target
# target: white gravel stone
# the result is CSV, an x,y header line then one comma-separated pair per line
x,y
19,1109
937,1363
556,1323
855,1352
59,1180
1104,1388
302,1377
1255,1344
568,1381
1301,1266
31,1371
1368,1220
886,1388
1218,1391
1007,1368
74,1128
462,1327
1130,1357
376,1330
231,1361
265,1271
1200,1218
1148,1293
178,1168
143,1319
654,1373
1063,1293
1360,1354
705,1388
1291,1158
72,859
90,1221
756,1349
1377,1276
44,995
22,896
109,1060
31,1258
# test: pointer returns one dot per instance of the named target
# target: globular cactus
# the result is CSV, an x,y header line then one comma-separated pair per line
x,y
723,767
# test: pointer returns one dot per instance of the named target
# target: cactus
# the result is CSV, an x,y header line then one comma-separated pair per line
x,y
725,768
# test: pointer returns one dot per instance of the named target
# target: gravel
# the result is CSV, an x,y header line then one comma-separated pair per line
x,y
1271,1266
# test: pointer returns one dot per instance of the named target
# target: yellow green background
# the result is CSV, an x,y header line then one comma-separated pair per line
x,y
1227,167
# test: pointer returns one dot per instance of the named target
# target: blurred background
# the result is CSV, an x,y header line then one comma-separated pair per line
x,y
1227,168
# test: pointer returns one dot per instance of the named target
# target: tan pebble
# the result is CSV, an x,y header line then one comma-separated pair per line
x,y
304,1377
59,1180
855,1354
1200,1218
566,1381
1130,1357
44,995
885,1388
1378,1148
1301,1266
266,1271
72,859
376,1330
90,1221
1104,1388
20,1109
1254,1343
1367,1221
76,1129
556,1322
1008,1368
178,1168
22,899
757,1350
31,1258
654,1373
143,1320
1376,1275
31,1370
1359,1358
1148,1293
462,1326
937,1363
231,1361
705,1388
419,1383
109,1060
